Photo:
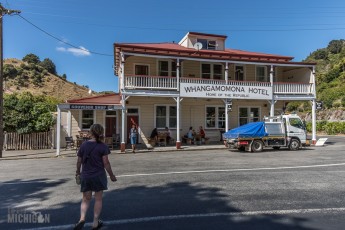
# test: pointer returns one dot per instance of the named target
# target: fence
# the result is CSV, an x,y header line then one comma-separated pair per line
x,y
15,141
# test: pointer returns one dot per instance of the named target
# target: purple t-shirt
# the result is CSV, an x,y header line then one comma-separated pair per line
x,y
92,165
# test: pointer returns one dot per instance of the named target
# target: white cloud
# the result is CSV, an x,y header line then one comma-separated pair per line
x,y
82,51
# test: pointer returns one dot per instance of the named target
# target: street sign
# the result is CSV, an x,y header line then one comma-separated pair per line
x,y
319,105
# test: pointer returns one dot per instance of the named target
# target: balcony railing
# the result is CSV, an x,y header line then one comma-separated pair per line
x,y
292,88
170,83
150,82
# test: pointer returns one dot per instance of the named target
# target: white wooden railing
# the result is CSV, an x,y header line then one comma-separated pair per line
x,y
293,88
150,82
168,83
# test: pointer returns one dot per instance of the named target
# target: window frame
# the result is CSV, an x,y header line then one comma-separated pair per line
x,y
171,70
219,122
206,43
265,78
248,114
167,116
141,64
244,72
212,71
82,127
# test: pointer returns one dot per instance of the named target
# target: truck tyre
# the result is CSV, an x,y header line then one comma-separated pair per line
x,y
257,146
294,144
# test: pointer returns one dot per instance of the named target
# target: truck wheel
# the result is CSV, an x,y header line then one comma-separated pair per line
x,y
257,146
294,144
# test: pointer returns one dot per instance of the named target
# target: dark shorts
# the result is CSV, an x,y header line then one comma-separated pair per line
x,y
95,184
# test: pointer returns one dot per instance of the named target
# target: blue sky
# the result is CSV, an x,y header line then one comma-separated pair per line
x,y
292,28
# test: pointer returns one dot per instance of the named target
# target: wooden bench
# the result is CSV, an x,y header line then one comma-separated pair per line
x,y
187,140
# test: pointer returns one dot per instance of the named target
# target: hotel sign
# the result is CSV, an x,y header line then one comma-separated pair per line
x,y
225,91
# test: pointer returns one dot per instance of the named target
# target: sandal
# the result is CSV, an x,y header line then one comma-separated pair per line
x,y
79,225
100,224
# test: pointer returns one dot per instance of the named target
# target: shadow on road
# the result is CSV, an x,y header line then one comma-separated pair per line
x,y
179,205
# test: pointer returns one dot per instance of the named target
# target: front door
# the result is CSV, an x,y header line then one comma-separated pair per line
x,y
132,118
110,126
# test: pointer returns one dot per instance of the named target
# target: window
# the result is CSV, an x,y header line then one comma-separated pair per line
x,y
214,71
86,119
207,44
215,117
206,71
239,73
110,113
142,70
296,122
217,71
166,116
261,73
247,115
167,68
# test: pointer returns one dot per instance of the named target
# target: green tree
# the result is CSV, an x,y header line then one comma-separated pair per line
x,y
25,113
31,58
48,65
10,71
335,46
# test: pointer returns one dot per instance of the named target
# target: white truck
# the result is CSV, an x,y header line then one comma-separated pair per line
x,y
275,132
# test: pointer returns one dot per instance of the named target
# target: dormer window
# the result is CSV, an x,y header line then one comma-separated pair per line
x,y
208,44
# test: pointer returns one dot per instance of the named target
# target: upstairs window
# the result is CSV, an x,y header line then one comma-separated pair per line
x,y
261,73
211,71
167,68
207,44
239,73
142,70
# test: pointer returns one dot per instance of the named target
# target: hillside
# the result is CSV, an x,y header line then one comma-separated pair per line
x,y
330,74
20,76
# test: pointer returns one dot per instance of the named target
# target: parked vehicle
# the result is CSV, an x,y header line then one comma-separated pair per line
x,y
275,132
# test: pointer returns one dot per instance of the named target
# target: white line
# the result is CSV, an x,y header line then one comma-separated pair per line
x,y
203,215
231,170
196,171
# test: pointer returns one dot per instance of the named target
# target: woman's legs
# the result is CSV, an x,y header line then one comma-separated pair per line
x,y
85,203
97,208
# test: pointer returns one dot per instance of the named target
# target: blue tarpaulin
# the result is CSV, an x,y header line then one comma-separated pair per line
x,y
250,130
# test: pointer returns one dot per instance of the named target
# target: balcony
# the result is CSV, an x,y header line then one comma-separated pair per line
x,y
170,83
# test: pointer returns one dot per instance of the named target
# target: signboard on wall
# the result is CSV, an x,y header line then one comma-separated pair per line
x,y
225,91
89,107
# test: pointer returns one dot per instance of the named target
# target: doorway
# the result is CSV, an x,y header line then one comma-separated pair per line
x,y
132,118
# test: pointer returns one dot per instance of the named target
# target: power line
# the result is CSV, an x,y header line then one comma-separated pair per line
x,y
60,40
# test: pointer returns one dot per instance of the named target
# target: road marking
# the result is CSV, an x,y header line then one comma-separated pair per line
x,y
231,170
203,215
191,172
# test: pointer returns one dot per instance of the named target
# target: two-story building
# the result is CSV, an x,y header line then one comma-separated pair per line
x,y
199,82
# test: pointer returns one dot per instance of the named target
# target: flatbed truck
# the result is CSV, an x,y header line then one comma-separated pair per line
x,y
280,131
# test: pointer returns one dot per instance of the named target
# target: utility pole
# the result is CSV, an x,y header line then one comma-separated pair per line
x,y
3,11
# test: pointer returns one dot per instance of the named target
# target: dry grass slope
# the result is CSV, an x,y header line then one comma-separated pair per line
x,y
52,86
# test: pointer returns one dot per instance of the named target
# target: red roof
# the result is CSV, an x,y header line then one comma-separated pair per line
x,y
106,99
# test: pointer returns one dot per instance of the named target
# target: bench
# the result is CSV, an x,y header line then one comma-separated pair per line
x,y
187,140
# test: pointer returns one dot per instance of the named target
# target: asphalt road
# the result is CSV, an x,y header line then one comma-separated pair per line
x,y
209,189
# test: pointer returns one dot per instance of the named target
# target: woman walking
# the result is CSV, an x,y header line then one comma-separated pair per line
x,y
133,135
92,160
